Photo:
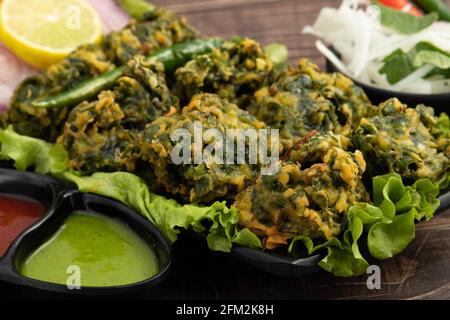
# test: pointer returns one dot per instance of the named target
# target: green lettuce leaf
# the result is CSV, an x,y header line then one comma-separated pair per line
x,y
218,222
390,221
386,239
435,57
343,257
403,22
389,224
399,64
27,152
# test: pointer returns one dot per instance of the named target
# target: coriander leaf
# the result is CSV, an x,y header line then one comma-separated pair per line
x,y
394,54
445,74
436,58
398,64
403,22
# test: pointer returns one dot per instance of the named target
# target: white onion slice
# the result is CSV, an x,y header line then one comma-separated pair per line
x,y
13,71
362,43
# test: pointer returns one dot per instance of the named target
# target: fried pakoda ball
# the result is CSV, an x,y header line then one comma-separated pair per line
x,y
439,127
397,140
234,72
105,135
162,29
208,179
304,99
308,196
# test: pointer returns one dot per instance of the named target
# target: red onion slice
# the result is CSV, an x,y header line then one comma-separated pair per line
x,y
13,70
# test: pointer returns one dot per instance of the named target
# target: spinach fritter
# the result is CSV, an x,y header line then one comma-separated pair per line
x,y
162,29
304,99
207,179
397,140
105,135
234,71
308,196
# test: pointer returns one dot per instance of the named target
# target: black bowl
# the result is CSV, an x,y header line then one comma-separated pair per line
x,y
440,102
60,201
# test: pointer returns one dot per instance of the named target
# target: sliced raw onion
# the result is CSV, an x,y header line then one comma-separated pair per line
x,y
354,31
114,18
13,71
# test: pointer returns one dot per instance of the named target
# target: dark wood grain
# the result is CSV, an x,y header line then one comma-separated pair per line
x,y
265,20
422,271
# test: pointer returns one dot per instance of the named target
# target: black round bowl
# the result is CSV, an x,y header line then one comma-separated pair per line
x,y
440,102
60,200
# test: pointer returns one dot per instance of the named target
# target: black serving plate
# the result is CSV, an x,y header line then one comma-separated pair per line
x,y
445,201
281,264
60,199
440,102
285,265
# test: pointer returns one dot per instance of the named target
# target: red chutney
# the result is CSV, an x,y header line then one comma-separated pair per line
x,y
16,214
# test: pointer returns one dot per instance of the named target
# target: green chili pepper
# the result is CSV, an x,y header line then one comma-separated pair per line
x,y
437,6
172,58
137,9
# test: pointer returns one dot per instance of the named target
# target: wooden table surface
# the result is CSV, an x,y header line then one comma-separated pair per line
x,y
422,271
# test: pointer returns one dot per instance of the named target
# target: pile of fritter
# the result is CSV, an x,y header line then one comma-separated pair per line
x,y
208,178
161,29
397,139
171,129
309,195
303,99
234,72
106,134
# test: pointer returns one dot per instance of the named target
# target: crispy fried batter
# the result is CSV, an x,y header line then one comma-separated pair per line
x,y
397,140
308,196
208,180
234,71
304,99
106,134
89,61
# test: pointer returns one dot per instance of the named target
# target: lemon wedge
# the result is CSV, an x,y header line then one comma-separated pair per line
x,y
42,32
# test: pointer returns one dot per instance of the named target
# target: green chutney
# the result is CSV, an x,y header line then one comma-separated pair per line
x,y
105,251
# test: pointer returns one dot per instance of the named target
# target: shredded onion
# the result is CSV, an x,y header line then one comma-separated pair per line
x,y
114,18
362,43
